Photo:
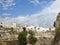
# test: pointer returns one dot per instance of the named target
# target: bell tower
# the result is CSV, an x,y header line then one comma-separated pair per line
x,y
57,30
57,22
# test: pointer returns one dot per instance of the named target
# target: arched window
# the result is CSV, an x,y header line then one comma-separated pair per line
x,y
1,26
54,24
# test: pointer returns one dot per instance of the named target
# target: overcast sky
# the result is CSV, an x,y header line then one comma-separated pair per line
x,y
31,12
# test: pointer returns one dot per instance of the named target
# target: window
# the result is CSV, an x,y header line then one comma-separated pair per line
x,y
1,26
59,25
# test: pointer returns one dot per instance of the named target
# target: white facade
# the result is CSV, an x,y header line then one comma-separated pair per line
x,y
14,25
37,28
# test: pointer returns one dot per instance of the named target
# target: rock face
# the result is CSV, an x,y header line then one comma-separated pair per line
x,y
57,31
42,39
45,38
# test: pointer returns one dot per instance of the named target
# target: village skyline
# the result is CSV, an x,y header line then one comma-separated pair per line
x,y
31,12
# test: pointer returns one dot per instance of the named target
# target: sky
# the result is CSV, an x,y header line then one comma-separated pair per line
x,y
30,12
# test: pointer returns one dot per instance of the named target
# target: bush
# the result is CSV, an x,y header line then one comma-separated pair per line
x,y
31,38
22,37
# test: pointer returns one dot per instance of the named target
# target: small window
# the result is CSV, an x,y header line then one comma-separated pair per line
x,y
1,26
59,25
0,35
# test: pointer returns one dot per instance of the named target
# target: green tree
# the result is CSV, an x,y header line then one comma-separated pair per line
x,y
31,32
22,40
32,38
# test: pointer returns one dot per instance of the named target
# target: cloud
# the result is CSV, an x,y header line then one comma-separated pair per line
x,y
35,2
44,18
7,3
38,2
6,14
47,16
